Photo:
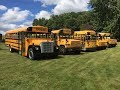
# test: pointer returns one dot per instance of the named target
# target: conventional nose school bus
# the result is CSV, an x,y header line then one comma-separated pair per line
x,y
88,39
110,42
31,42
65,41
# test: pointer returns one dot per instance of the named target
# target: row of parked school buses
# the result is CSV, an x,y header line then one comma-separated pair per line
x,y
37,41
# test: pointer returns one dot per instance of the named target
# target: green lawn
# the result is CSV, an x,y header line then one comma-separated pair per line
x,y
98,70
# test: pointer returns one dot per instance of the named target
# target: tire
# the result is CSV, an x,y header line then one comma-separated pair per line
x,y
31,54
62,50
11,49
103,48
114,45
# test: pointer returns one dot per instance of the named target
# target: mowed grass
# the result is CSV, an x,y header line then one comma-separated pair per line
x,y
98,70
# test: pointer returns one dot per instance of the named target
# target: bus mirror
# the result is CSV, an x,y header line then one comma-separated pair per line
x,y
54,36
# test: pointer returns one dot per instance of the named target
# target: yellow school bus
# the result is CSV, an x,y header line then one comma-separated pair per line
x,y
65,41
101,43
31,42
110,42
87,38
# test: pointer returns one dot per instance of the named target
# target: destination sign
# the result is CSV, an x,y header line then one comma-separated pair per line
x,y
40,29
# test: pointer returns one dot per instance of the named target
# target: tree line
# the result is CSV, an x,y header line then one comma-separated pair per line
x,y
104,16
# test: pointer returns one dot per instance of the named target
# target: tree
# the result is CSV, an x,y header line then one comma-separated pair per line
x,y
35,22
104,12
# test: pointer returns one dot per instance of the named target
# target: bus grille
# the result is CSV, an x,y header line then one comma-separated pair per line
x,y
47,47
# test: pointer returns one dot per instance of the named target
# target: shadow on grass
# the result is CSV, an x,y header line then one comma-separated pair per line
x,y
72,53
89,51
48,58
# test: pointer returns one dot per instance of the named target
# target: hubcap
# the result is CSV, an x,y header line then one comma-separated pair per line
x,y
30,54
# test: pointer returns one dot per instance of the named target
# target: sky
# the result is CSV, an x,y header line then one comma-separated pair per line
x,y
21,13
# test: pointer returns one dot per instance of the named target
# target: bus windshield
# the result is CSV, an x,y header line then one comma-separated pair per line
x,y
108,37
37,35
90,37
66,36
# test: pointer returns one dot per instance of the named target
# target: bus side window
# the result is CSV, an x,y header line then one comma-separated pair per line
x,y
88,37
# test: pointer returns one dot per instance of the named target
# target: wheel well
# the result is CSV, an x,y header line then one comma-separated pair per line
x,y
31,46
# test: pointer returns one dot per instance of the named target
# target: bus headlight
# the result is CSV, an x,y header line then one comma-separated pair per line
x,y
57,48
36,48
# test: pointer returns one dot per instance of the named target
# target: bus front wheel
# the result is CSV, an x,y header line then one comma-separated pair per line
x,y
31,54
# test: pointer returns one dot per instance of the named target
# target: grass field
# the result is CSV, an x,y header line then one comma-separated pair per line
x,y
98,70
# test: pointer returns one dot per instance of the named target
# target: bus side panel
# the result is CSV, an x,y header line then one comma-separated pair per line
x,y
13,44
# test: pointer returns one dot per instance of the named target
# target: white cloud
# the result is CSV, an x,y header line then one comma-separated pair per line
x,y
65,6
6,26
27,23
2,7
9,26
43,14
14,18
48,2
15,15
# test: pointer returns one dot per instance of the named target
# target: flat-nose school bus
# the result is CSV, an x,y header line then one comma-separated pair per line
x,y
110,42
87,38
100,42
31,42
65,41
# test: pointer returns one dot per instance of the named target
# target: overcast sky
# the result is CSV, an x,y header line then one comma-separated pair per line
x,y
21,13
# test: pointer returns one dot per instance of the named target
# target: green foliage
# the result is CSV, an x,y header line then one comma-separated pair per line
x,y
74,21
107,14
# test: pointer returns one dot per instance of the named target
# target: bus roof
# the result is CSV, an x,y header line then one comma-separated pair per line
x,y
40,29
92,32
55,31
65,31
104,34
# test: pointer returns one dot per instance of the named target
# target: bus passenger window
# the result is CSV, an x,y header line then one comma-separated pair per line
x,y
88,37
